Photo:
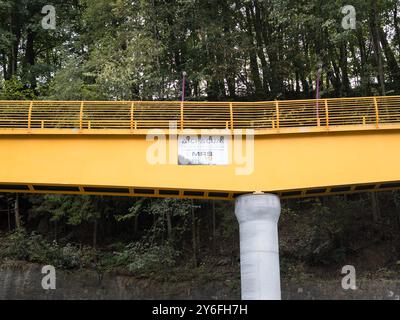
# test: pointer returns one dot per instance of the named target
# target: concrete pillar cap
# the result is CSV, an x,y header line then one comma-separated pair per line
x,y
258,207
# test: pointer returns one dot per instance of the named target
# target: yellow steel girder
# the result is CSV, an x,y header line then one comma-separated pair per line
x,y
293,165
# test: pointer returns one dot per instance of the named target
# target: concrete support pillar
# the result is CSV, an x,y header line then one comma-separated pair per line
x,y
258,216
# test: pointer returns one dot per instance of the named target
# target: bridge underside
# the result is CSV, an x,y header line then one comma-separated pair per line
x,y
292,166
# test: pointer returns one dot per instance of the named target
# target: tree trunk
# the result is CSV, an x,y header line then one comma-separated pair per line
x,y
214,242
30,57
55,231
374,26
169,225
345,87
255,72
365,79
230,80
15,30
396,26
260,45
194,237
376,211
4,65
95,226
8,215
334,75
17,213
163,229
396,195
136,225
390,57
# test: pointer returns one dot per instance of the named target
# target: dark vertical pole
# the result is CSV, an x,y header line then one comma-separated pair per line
x,y
183,85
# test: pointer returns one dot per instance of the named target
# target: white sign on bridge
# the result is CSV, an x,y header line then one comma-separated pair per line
x,y
203,150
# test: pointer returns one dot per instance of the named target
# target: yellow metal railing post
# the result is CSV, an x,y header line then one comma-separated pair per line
x,y
376,111
81,116
278,120
132,115
182,116
327,113
30,115
231,113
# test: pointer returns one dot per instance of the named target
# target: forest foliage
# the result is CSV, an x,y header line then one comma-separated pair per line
x,y
230,49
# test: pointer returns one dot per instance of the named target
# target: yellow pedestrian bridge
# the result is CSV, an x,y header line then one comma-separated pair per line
x,y
293,149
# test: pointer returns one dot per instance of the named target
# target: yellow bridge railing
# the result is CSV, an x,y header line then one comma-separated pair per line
x,y
139,115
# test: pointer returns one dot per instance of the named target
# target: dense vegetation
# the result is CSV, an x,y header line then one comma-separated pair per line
x,y
230,50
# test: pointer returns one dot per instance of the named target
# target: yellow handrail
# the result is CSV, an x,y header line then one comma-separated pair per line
x,y
136,115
